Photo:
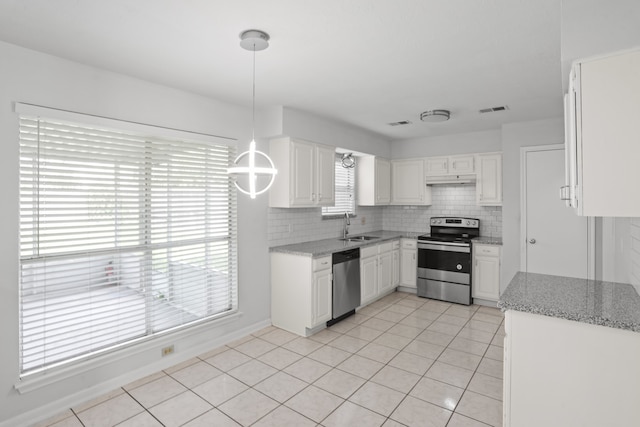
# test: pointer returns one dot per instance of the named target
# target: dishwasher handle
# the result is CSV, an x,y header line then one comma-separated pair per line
x,y
344,256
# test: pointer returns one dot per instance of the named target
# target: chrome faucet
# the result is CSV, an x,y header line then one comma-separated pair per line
x,y
347,223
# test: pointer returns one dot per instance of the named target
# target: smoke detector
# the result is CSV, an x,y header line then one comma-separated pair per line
x,y
435,116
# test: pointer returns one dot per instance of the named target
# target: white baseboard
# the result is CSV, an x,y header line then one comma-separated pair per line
x,y
53,408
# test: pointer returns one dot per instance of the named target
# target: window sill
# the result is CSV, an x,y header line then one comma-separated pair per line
x,y
39,380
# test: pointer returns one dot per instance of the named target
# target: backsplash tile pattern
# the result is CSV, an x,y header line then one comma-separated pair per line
x,y
288,226
447,200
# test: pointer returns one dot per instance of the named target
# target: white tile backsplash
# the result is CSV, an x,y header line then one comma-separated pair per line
x,y
447,200
288,226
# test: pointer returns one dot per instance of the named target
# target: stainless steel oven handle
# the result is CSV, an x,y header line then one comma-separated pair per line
x,y
447,247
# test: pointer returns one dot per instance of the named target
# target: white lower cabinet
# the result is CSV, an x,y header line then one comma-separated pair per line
x,y
368,274
486,272
302,286
395,262
409,263
565,373
321,293
378,266
301,292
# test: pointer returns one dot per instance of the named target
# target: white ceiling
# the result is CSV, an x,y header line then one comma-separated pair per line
x,y
364,62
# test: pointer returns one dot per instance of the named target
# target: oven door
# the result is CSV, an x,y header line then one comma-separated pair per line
x,y
445,262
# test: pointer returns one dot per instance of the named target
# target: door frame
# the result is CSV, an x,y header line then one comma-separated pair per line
x,y
591,227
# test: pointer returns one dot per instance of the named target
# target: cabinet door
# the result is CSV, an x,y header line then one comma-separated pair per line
x,y
461,165
607,132
489,184
437,165
383,181
408,183
302,176
368,279
325,175
321,303
409,270
385,272
486,277
396,268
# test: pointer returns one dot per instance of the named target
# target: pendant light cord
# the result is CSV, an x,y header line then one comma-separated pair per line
x,y
253,106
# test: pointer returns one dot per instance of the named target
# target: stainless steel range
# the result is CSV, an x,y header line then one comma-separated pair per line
x,y
444,259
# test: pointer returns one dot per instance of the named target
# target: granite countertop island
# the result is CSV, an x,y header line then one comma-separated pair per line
x,y
616,305
317,248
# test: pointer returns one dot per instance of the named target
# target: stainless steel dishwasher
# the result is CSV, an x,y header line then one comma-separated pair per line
x,y
346,284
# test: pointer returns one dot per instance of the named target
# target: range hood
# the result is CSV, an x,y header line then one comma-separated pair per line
x,y
451,179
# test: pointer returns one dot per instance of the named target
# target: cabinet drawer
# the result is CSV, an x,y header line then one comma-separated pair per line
x,y
385,247
409,244
322,263
369,251
487,250
396,244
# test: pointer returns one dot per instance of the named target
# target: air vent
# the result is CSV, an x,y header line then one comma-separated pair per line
x,y
400,123
493,109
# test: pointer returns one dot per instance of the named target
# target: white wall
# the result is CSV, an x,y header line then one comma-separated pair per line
x,y
303,125
595,27
514,136
31,77
446,145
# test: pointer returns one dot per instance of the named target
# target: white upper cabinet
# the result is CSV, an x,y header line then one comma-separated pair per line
x,y
450,165
489,180
436,165
373,181
604,135
306,174
408,185
461,164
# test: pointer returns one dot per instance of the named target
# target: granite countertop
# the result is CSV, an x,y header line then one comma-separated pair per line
x,y
318,248
616,305
487,240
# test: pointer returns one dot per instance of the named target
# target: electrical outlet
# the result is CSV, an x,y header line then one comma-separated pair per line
x,y
363,220
167,350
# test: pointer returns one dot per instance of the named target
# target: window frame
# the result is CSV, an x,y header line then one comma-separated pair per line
x,y
329,211
82,361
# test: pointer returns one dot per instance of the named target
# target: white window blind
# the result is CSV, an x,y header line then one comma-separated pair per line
x,y
344,191
122,236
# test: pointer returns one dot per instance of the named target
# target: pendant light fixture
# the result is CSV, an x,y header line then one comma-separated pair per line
x,y
253,40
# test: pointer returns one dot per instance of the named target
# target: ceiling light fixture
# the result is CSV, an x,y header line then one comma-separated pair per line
x,y
348,161
435,116
254,40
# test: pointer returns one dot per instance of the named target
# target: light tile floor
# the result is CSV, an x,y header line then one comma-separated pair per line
x,y
401,361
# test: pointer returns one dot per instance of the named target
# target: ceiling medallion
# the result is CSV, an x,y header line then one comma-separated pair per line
x,y
253,40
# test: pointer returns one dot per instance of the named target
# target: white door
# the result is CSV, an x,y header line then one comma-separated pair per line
x,y
555,239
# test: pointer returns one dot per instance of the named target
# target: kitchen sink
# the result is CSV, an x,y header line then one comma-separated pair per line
x,y
359,238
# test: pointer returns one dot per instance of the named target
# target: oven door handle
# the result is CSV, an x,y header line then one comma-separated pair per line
x,y
447,247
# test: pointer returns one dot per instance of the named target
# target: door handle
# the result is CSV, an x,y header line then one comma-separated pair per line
x,y
532,241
